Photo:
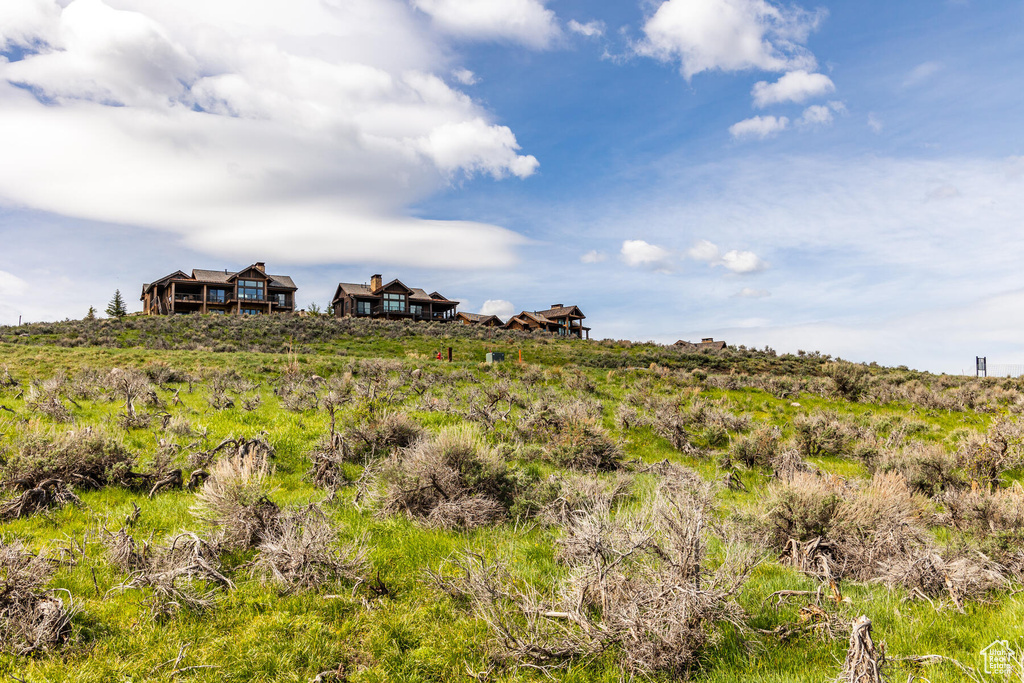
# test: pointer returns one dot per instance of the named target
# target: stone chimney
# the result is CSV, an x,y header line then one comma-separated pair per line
x,y
556,305
261,266
707,340
376,282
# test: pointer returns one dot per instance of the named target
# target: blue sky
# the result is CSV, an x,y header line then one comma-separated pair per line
x,y
838,176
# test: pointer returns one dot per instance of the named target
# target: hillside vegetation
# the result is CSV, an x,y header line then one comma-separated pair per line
x,y
305,499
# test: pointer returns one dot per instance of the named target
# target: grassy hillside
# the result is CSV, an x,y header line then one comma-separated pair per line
x,y
601,511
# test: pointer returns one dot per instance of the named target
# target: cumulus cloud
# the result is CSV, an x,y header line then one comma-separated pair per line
x,y
640,254
590,29
759,127
476,145
875,123
734,260
594,256
233,123
24,23
730,35
742,261
815,115
527,22
499,307
795,86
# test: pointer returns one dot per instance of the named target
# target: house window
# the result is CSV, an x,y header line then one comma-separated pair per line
x,y
252,311
416,309
363,307
394,302
279,298
250,290
218,296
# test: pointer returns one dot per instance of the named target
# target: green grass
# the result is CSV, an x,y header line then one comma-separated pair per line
x,y
419,634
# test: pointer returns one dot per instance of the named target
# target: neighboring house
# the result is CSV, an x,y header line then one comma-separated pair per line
x,y
707,343
393,300
562,320
249,291
479,319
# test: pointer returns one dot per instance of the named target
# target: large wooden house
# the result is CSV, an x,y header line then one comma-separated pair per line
x,y
393,300
249,291
566,321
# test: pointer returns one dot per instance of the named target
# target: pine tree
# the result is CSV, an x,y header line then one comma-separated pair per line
x,y
91,315
116,309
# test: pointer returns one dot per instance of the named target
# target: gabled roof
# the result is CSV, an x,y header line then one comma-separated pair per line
x,y
478,318
250,269
221,277
529,318
398,282
282,281
173,276
352,289
561,312
539,317
419,295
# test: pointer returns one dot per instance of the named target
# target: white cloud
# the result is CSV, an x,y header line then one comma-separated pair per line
x,y
465,77
751,293
704,251
921,73
730,35
527,22
759,127
815,115
742,261
224,121
23,22
795,86
589,29
499,307
734,260
594,256
875,123
475,145
640,254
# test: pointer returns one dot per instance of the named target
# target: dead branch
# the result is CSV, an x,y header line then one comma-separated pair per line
x,y
863,663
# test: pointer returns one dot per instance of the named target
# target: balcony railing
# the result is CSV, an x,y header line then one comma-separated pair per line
x,y
378,311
